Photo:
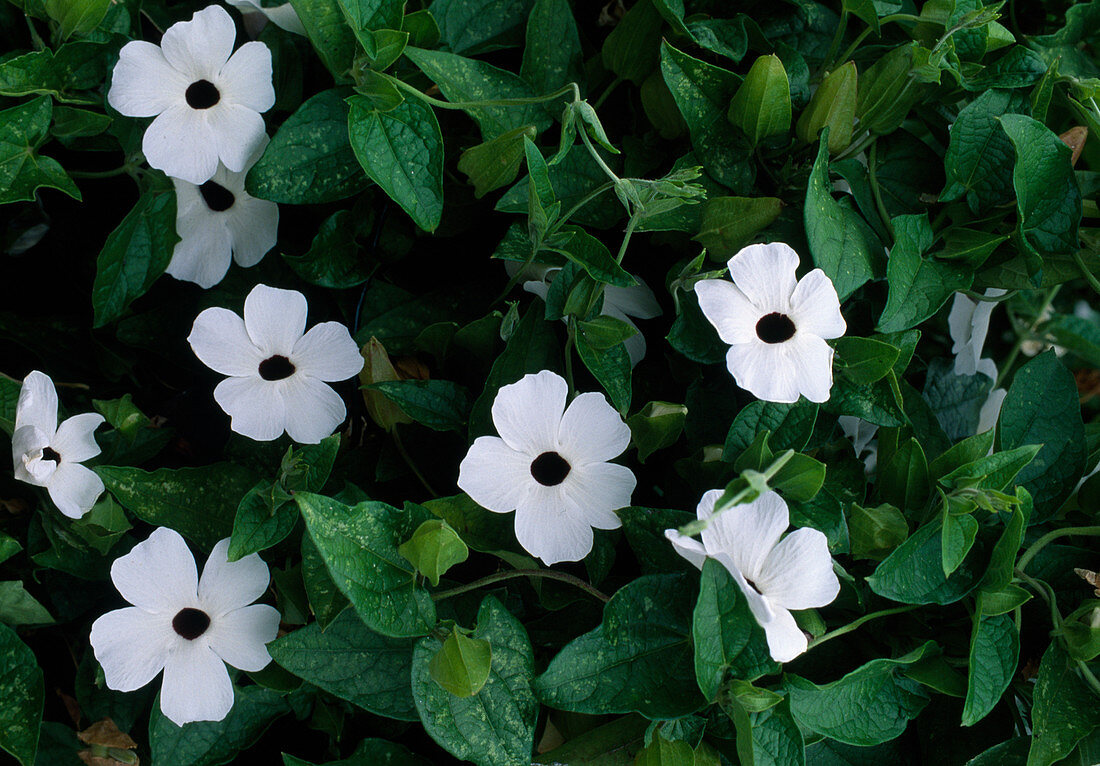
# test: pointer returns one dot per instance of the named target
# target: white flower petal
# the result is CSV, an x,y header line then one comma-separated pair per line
x,y
547,529
158,575
282,16
236,131
815,307
200,47
726,307
26,445
494,475
313,409
591,430
785,639
241,636
637,300
688,547
37,405
760,607
75,437
220,341
327,352
131,646
275,319
143,83
597,490
746,533
204,253
991,410
246,78
812,358
254,226
764,370
180,142
798,573
254,405
527,413
228,585
766,275
74,489
196,684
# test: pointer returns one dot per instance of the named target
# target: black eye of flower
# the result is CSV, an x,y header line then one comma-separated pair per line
x,y
775,328
216,196
276,368
202,94
550,469
191,623
49,453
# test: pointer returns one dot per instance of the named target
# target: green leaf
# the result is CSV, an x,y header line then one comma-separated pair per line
x,y
594,257
324,597
209,743
333,259
762,105
402,151
493,164
630,51
462,664
22,690
552,55
865,360
903,479
994,651
462,79
1002,561
365,16
874,532
656,426
310,159
17,607
433,549
918,286
9,546
887,92
832,107
438,404
662,752
74,67
876,402
638,660
769,737
370,752
265,516
1065,709
476,26
495,726
329,33
868,706
611,367
913,573
606,331
1048,198
359,547
76,17
840,242
199,503
980,157
1042,408
790,426
728,641
966,451
956,538
730,223
352,662
995,471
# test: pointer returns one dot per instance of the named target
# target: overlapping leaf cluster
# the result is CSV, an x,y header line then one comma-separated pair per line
x,y
910,150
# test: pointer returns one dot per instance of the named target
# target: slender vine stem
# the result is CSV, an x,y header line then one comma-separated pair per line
x,y
410,463
1050,537
461,105
599,160
1094,283
121,170
546,574
855,624
1020,338
872,175
607,92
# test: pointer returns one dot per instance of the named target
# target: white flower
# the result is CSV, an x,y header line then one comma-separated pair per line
x,y
775,575
776,327
207,103
550,466
968,322
278,370
862,435
218,221
49,455
255,16
186,626
622,303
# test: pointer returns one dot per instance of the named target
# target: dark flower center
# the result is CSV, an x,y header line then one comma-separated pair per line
x,y
216,196
549,469
775,328
202,94
49,453
191,623
276,368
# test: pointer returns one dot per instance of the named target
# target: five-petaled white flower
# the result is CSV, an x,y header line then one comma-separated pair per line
x,y
49,455
187,626
218,222
206,99
776,327
278,370
256,16
550,466
775,575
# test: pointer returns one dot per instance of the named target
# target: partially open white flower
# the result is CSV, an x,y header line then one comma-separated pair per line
x,y
549,465
256,16
862,435
968,322
775,575
218,221
278,370
207,102
49,455
776,327
186,626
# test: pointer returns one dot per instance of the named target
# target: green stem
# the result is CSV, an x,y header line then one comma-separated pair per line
x,y
35,37
1050,537
546,574
1020,338
630,225
607,92
599,160
409,462
583,201
1094,283
101,173
838,38
876,192
855,624
570,88
1090,678
569,340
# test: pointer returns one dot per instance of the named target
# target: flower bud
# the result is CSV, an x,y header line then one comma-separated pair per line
x,y
833,104
761,107
378,368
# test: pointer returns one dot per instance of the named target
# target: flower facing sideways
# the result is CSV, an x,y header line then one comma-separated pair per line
x,y
206,99
256,16
776,326
186,626
218,221
49,455
278,371
550,466
775,575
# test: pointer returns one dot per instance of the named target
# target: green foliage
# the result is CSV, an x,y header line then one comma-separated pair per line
x,y
21,682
